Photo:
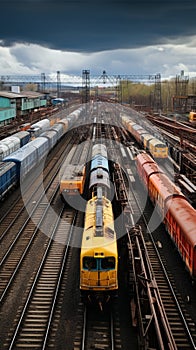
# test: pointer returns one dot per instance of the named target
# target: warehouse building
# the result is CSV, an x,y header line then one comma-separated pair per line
x,y
15,105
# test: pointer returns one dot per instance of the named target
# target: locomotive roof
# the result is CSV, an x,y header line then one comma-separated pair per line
x,y
106,242
156,142
72,172
148,137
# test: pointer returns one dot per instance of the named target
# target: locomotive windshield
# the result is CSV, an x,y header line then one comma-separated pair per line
x,y
98,264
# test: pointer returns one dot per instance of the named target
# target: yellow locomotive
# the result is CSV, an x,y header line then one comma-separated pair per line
x,y
99,256
192,117
72,180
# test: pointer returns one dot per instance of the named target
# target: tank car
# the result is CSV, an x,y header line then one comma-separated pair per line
x,y
99,255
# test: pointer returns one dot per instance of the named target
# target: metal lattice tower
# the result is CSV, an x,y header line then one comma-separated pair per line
x,y
85,86
157,93
43,82
118,89
58,83
182,84
180,100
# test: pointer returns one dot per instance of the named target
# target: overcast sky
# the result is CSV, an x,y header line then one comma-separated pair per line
x,y
121,37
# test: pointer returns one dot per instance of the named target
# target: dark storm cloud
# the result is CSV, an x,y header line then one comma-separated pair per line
x,y
95,25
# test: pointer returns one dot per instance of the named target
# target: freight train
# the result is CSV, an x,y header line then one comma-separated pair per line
x,y
176,212
73,176
12,143
17,165
99,255
154,146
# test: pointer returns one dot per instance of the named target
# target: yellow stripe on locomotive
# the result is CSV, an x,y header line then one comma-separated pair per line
x,y
99,256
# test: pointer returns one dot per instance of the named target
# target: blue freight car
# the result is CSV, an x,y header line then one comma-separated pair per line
x,y
25,159
23,136
52,137
8,178
28,156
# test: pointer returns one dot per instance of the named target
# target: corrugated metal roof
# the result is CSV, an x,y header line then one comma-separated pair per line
x,y
10,94
31,94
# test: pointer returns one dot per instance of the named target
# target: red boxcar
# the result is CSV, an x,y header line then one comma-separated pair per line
x,y
176,212
180,221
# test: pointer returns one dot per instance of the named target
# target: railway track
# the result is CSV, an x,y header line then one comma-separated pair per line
x,y
97,330
136,208
33,226
33,326
27,238
38,300
181,324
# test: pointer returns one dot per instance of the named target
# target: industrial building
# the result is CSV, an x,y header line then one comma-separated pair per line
x,y
15,104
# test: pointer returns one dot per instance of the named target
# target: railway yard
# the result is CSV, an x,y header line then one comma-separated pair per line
x,y
145,298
